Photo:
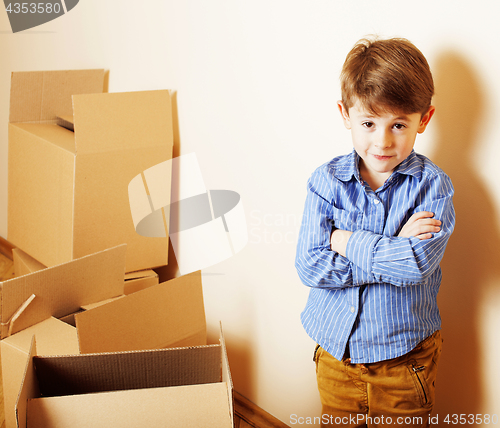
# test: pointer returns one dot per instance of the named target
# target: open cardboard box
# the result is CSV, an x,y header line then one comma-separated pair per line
x,y
134,281
174,387
68,190
57,291
161,316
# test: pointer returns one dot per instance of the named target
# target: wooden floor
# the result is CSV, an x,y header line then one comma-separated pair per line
x,y
247,414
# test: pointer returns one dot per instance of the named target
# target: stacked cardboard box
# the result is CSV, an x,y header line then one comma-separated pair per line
x,y
89,337
68,188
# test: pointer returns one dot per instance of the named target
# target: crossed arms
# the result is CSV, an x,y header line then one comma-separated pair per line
x,y
350,258
420,225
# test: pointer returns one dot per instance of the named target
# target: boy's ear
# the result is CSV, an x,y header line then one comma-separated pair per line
x,y
426,119
344,112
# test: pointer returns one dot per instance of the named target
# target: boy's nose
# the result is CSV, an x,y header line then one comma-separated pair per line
x,y
384,140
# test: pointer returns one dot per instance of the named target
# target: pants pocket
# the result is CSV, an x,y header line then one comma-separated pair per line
x,y
418,373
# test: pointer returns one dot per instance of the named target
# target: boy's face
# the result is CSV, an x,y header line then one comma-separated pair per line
x,y
383,140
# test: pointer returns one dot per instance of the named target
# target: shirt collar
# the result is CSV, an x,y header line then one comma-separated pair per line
x,y
349,167
412,165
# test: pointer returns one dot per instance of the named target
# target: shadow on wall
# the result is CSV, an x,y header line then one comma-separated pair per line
x,y
471,262
240,352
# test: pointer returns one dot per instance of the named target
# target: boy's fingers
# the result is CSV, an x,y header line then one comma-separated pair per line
x,y
423,214
424,236
429,222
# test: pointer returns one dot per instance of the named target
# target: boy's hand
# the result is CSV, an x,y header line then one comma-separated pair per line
x,y
421,225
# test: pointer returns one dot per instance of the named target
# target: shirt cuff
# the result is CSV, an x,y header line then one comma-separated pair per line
x,y
360,249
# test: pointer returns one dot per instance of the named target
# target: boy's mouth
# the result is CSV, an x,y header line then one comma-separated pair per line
x,y
381,158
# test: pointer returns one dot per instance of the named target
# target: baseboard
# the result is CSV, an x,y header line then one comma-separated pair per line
x,y
6,248
254,415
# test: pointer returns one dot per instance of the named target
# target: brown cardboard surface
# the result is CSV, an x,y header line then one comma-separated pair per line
x,y
61,290
131,392
136,281
117,137
24,263
38,96
84,374
29,388
48,133
54,337
68,191
40,201
165,315
176,407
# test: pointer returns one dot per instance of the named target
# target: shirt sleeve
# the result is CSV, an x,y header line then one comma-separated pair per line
x,y
407,261
316,264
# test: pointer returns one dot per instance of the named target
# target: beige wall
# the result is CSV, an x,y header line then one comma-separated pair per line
x,y
256,86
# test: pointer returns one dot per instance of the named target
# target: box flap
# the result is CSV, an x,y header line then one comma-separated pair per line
x,y
37,96
137,281
66,121
47,132
24,263
61,290
147,273
122,121
53,337
226,376
118,136
29,388
89,373
203,406
165,315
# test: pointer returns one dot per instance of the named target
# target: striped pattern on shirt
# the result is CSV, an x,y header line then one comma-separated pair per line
x,y
380,300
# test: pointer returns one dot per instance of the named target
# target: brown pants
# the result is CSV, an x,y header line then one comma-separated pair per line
x,y
392,393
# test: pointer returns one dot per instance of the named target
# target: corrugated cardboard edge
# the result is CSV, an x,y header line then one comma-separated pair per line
x,y
28,388
226,375
66,121
116,371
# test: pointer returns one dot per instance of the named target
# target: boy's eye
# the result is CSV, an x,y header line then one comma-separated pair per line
x,y
367,124
399,125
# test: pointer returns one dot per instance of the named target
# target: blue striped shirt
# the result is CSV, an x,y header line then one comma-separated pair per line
x,y
379,300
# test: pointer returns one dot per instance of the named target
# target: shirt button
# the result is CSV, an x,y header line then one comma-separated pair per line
x,y
353,309
376,201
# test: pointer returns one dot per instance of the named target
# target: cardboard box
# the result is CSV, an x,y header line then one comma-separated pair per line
x,y
90,291
68,191
175,387
58,292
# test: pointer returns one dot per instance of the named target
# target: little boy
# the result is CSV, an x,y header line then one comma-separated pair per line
x,y
374,230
